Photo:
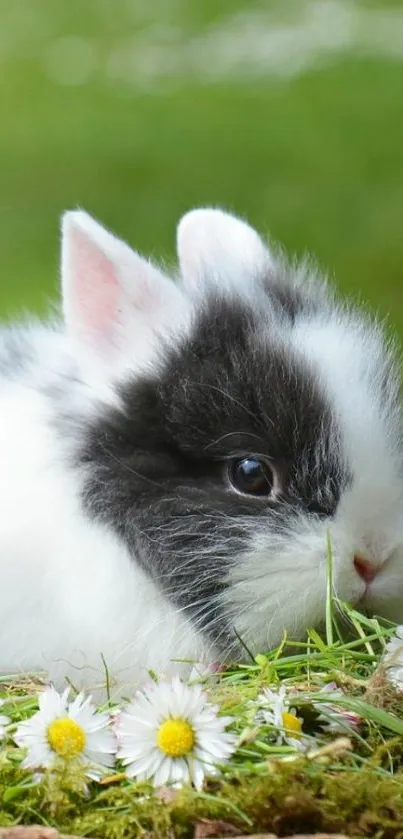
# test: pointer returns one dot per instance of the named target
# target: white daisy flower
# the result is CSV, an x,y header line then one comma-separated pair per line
x,y
275,710
170,733
334,718
394,648
4,721
395,676
204,669
393,659
67,730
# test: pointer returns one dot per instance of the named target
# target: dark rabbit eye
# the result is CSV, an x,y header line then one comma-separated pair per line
x,y
252,476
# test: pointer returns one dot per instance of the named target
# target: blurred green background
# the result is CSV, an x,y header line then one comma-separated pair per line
x,y
288,113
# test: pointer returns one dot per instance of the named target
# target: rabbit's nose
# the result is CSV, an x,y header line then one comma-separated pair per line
x,y
365,568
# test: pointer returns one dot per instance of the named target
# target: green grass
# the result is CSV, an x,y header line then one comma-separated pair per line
x,y
348,782
316,160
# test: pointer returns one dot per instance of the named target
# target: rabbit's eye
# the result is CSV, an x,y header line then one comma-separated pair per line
x,y
252,476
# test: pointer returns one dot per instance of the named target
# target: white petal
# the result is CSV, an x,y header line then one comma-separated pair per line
x,y
161,776
133,751
38,756
179,771
214,747
52,704
137,715
146,765
102,741
198,773
103,759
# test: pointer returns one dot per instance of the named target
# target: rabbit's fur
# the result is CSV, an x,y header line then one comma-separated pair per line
x,y
123,538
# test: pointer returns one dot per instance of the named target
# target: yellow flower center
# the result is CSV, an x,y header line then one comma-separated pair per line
x,y
66,737
292,724
175,737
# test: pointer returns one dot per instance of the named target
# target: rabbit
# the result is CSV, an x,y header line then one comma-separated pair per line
x,y
177,449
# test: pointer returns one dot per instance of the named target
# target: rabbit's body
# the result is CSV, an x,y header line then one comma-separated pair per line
x,y
174,455
69,594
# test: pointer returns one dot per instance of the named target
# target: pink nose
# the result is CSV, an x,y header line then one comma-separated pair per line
x,y
366,569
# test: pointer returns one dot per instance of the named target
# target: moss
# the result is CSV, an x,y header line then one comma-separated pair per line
x,y
300,798
297,796
351,785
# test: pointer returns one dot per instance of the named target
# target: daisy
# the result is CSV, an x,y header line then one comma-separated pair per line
x,y
333,718
4,721
393,658
275,710
170,733
394,649
395,676
203,670
67,730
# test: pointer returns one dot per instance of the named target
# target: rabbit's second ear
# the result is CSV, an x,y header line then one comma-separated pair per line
x,y
112,297
215,247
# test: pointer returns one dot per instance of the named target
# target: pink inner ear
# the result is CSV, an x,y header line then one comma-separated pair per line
x,y
96,286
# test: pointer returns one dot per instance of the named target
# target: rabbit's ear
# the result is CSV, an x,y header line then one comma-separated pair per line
x,y
216,247
112,297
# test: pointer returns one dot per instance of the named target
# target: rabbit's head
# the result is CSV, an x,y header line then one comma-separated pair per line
x,y
244,418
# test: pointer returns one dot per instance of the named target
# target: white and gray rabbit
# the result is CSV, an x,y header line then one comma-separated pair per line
x,y
174,453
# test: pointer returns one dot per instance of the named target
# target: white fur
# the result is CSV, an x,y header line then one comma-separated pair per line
x,y
215,248
72,601
70,593
346,354
115,302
